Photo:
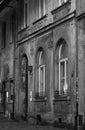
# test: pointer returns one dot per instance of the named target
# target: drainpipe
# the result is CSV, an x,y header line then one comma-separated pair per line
x,y
77,93
13,115
77,87
14,59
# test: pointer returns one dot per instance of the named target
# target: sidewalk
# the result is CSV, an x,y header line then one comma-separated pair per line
x,y
14,125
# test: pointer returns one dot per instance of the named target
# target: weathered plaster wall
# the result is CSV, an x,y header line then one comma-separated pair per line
x,y
30,49
48,41
80,6
81,62
67,32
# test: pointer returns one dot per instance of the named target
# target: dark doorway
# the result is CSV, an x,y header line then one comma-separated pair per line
x,y
24,86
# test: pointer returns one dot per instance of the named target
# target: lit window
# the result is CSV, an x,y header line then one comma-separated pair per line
x,y
62,2
63,63
40,74
42,10
61,69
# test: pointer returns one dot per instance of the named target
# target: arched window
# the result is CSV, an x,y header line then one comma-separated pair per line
x,y
61,68
40,73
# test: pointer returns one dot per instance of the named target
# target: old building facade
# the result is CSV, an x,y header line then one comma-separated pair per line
x,y
81,54
39,60
7,40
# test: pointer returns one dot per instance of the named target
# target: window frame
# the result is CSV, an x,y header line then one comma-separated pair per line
x,y
62,60
62,2
42,81
25,12
40,89
59,90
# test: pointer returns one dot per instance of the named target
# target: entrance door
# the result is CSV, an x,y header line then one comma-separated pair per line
x,y
24,86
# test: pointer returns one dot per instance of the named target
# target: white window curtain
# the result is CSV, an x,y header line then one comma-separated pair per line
x,y
40,80
63,67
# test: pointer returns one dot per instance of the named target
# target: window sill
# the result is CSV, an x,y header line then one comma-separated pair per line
x,y
23,29
39,19
33,23
40,99
61,98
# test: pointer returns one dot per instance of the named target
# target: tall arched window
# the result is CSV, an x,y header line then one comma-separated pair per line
x,y
40,73
61,68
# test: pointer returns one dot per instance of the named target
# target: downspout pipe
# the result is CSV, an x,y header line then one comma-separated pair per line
x,y
14,60
77,87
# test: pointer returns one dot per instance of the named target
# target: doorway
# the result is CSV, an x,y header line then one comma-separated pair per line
x,y
24,85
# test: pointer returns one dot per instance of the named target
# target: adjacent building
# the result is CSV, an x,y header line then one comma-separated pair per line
x,y
81,54
8,29
42,60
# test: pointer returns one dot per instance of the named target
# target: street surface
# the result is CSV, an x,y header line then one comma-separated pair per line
x,y
14,125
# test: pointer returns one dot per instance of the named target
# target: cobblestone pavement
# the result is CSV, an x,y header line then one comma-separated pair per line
x,y
12,125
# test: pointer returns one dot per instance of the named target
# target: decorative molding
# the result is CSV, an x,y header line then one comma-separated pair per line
x,y
61,11
46,28
36,26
